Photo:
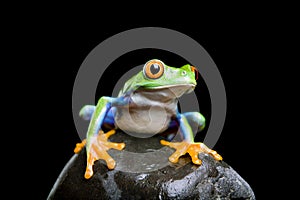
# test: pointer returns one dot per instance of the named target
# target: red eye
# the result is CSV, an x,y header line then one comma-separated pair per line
x,y
195,70
154,69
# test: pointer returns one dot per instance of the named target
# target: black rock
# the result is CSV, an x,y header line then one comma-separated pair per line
x,y
143,172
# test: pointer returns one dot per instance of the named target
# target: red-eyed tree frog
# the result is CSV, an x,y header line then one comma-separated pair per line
x,y
147,104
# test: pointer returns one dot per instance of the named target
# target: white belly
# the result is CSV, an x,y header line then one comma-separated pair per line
x,y
142,122
148,113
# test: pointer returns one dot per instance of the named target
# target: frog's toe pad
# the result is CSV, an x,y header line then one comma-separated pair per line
x,y
89,170
88,173
216,155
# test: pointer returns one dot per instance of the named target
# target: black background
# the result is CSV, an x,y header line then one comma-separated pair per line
x,y
53,50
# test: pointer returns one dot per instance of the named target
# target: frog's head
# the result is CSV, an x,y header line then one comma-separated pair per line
x,y
157,75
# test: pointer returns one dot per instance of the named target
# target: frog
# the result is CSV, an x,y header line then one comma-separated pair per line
x,y
147,105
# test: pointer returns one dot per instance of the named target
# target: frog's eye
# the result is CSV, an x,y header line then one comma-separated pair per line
x,y
154,69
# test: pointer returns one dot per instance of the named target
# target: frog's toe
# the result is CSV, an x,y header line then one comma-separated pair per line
x,y
164,142
108,134
215,155
175,156
79,146
194,149
195,159
89,168
111,163
118,146
88,173
211,152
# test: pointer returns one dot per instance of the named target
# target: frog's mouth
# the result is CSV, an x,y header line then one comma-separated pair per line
x,y
174,90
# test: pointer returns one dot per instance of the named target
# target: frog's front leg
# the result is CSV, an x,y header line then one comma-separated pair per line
x,y
188,145
96,142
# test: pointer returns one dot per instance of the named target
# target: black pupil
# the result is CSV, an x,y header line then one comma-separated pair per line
x,y
154,68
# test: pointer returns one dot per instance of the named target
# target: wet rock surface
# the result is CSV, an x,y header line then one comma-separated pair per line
x,y
133,179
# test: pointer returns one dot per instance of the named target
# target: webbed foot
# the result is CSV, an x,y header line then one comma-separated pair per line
x,y
193,149
99,145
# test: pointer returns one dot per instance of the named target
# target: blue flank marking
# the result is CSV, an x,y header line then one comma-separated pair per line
x,y
109,118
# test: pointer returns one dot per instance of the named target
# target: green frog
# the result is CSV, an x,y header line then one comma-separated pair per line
x,y
147,105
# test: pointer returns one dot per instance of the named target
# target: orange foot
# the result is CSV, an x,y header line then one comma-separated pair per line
x,y
99,145
192,148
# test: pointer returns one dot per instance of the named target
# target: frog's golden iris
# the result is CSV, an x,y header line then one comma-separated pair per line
x,y
154,69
